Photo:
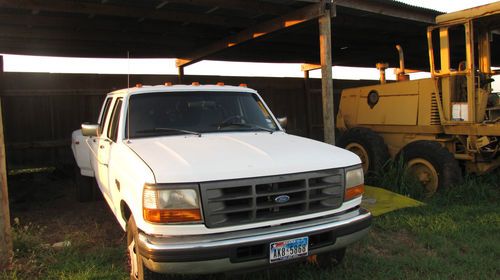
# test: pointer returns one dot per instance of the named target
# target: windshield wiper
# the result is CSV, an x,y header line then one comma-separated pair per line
x,y
168,129
253,126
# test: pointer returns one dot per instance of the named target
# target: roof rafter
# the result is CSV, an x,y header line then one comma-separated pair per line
x,y
291,19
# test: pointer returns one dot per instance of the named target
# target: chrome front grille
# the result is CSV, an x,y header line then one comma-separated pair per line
x,y
236,202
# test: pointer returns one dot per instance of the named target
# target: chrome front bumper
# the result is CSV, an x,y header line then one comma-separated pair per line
x,y
204,254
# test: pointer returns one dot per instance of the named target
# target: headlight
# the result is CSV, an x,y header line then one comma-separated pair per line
x,y
171,204
354,183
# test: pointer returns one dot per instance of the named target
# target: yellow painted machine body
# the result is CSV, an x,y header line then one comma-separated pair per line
x,y
451,107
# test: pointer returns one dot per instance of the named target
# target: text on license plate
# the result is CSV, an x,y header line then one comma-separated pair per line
x,y
288,249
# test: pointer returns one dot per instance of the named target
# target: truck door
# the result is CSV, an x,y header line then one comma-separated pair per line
x,y
107,138
93,142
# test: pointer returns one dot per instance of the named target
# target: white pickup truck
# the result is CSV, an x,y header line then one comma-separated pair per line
x,y
204,179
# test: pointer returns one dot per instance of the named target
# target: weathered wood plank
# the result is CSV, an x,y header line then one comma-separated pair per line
x,y
5,230
325,45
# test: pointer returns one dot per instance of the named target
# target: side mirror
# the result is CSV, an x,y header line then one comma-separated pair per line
x,y
283,122
90,129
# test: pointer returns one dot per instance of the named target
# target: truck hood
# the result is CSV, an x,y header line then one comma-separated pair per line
x,y
224,156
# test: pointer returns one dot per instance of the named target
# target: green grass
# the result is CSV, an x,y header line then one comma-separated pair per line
x,y
454,236
35,259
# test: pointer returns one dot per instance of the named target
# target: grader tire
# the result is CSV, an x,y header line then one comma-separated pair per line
x,y
368,145
432,164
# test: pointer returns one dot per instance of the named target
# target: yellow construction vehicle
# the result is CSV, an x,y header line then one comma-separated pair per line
x,y
438,126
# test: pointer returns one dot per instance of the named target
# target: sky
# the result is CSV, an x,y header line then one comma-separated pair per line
x,y
19,63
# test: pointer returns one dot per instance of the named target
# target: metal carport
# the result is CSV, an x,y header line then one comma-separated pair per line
x,y
364,32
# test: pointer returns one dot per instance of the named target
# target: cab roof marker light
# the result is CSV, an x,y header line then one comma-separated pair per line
x,y
168,84
195,83
138,85
220,83
243,85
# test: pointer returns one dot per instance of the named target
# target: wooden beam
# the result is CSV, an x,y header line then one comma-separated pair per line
x,y
291,19
78,7
325,46
5,230
389,9
309,67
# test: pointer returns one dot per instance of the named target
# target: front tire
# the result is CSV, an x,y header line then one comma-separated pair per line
x,y
368,145
135,264
432,165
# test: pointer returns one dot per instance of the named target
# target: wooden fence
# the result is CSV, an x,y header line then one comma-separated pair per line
x,y
41,110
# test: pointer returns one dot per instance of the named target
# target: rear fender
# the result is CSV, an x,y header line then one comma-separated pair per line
x,y
81,152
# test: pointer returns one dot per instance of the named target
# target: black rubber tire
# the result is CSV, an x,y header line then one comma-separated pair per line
x,y
332,258
86,187
143,273
447,167
374,144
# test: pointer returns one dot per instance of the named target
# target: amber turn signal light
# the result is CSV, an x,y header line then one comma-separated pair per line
x,y
172,215
354,192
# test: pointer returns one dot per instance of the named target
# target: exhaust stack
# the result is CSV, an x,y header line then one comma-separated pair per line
x,y
400,73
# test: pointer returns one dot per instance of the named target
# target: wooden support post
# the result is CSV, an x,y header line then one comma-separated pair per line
x,y
180,75
307,104
5,232
325,45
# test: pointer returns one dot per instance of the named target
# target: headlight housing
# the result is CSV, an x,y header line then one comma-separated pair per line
x,y
354,183
171,204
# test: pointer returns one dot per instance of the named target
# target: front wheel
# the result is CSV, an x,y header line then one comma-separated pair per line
x,y
135,265
368,146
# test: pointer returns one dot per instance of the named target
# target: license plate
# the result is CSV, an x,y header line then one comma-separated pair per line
x,y
288,249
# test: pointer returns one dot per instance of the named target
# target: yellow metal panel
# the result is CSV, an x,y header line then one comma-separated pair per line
x,y
397,105
380,201
348,107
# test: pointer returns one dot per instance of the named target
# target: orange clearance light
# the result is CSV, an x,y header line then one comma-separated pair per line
x,y
138,85
220,83
172,215
354,192
195,83
168,84
243,85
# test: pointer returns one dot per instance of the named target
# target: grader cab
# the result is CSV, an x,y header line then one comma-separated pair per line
x,y
438,126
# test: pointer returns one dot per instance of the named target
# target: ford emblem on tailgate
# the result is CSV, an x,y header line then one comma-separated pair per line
x,y
282,198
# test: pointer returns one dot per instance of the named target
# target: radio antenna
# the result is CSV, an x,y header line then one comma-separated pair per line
x,y
128,69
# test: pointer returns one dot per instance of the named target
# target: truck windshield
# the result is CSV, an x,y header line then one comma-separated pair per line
x,y
168,113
